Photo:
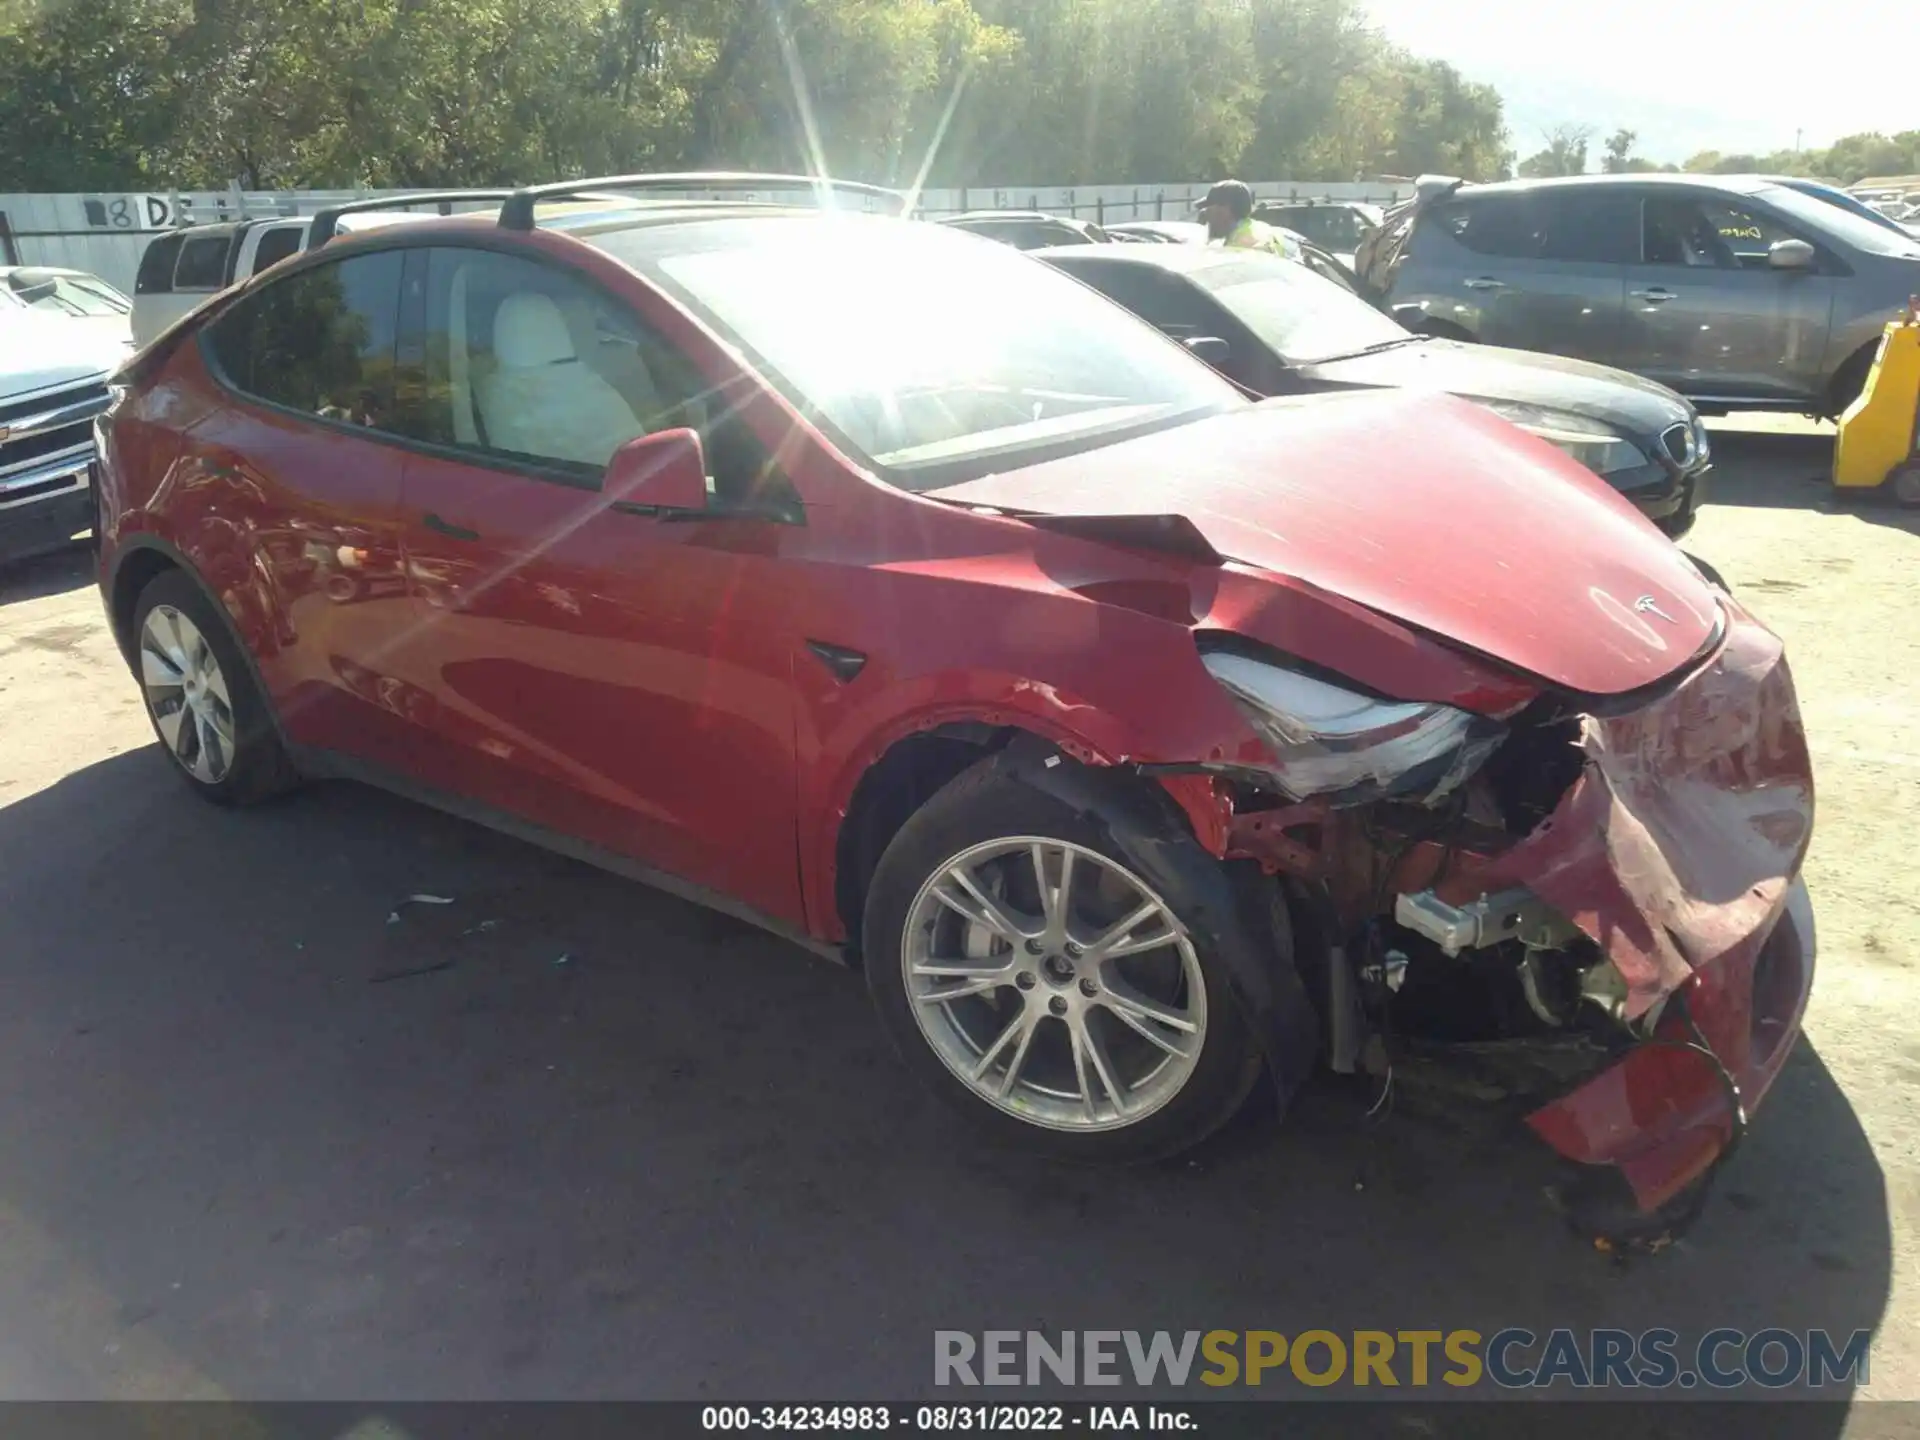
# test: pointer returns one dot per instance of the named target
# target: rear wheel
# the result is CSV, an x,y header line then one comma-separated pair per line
x,y
1904,484
1043,987
210,718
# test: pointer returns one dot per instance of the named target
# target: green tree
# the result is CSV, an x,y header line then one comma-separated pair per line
x,y
1566,153
103,94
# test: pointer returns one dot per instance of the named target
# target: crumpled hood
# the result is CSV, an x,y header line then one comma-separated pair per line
x,y
1638,407
1423,507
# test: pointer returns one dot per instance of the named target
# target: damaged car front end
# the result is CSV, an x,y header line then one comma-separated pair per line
x,y
1604,922
1561,878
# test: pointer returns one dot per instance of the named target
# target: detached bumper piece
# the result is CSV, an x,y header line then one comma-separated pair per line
x,y
1665,1112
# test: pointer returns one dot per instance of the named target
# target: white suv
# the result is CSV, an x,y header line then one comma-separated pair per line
x,y
183,269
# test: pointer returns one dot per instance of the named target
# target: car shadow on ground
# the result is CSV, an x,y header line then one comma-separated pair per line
x,y
1790,470
43,575
277,1131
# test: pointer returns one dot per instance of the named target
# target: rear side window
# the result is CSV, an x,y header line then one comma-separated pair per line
x,y
1598,226
203,263
320,342
1509,226
156,265
1163,301
276,245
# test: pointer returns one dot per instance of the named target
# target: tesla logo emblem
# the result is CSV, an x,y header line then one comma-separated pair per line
x,y
1647,605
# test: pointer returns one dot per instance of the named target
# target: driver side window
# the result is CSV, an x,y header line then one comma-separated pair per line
x,y
524,363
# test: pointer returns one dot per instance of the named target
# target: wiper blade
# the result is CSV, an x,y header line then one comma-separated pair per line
x,y
1373,349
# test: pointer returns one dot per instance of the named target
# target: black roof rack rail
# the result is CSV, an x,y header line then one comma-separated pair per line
x,y
517,213
326,222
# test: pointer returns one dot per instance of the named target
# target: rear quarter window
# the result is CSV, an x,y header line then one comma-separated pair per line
x,y
155,276
320,342
203,263
276,245
1503,225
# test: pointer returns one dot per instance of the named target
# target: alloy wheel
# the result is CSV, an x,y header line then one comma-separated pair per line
x,y
1054,983
186,694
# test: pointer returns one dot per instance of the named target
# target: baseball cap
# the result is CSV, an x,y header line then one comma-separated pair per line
x,y
1236,195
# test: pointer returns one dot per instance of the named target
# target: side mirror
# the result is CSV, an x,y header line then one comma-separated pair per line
x,y
665,471
1790,255
1210,348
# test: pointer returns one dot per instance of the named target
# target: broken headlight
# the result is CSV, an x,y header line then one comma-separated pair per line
x,y
1327,740
1598,447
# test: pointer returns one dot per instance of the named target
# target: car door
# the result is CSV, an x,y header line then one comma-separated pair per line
x,y
1710,316
1541,269
308,492
584,666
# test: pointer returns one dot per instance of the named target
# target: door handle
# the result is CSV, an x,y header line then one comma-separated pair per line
x,y
1658,295
1485,282
443,527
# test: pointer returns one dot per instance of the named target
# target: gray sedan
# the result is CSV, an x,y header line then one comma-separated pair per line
x,y
1279,329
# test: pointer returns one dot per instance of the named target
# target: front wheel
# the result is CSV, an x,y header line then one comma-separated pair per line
x,y
1043,987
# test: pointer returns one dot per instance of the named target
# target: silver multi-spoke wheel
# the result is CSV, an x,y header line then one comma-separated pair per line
x,y
1054,983
187,695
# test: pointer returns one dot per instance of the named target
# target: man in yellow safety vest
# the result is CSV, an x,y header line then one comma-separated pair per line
x,y
1227,208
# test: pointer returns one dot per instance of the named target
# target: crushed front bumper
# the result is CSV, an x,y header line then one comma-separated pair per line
x,y
1678,853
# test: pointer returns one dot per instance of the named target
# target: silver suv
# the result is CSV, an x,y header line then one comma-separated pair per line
x,y
1739,293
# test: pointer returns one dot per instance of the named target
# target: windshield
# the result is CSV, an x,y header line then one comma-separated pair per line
x,y
1851,204
1299,315
934,355
1837,223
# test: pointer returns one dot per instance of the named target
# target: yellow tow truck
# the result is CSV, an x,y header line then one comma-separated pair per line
x,y
1878,445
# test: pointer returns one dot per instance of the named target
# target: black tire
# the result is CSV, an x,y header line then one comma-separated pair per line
x,y
1903,485
259,767
987,803
1848,381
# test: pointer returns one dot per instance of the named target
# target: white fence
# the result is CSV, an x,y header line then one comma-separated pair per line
x,y
106,233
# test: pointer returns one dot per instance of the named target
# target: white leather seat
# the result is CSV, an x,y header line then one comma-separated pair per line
x,y
538,398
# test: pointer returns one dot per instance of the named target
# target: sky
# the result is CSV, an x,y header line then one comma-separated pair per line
x,y
1688,75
